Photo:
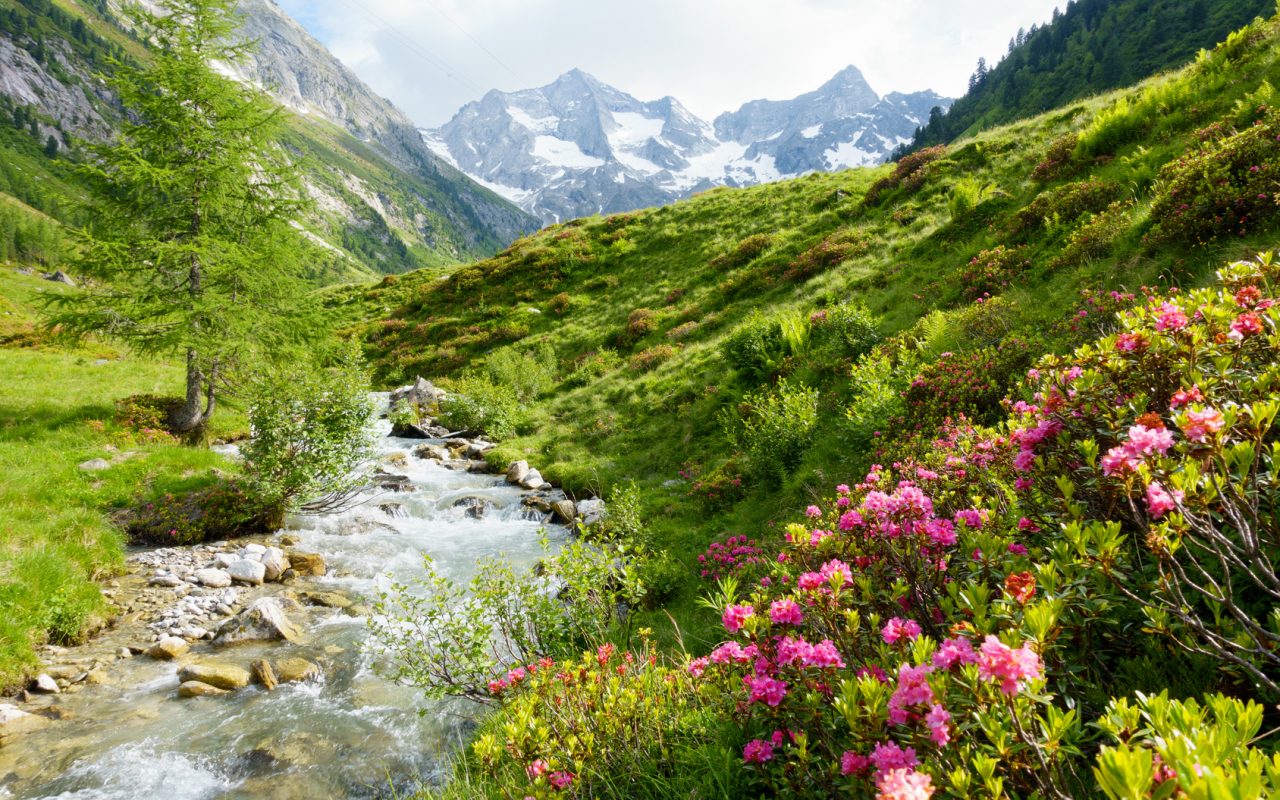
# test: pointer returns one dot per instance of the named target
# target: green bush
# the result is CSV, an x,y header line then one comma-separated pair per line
x,y
992,271
745,251
850,330
1225,186
593,365
225,510
756,347
529,373
774,428
1066,204
478,405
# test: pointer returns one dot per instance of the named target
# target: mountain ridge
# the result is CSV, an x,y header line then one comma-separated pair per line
x,y
578,146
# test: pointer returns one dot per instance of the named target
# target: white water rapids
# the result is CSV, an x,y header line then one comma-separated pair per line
x,y
350,734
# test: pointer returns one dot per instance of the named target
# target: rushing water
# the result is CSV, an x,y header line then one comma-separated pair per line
x,y
350,734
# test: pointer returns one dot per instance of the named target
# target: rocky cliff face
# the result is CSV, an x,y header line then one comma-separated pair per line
x,y
579,146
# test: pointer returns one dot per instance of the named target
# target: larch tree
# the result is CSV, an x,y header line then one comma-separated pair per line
x,y
190,250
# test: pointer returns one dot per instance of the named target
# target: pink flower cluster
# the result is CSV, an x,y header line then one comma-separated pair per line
x,y
1141,443
735,615
835,574
898,629
785,612
1161,501
799,653
1172,318
1200,425
1010,668
904,784
729,557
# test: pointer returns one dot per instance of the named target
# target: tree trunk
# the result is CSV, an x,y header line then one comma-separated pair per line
x,y
188,417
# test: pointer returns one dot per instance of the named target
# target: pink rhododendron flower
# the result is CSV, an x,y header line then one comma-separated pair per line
x,y
785,612
888,756
899,628
732,652
824,654
836,573
757,751
1024,460
842,488
954,651
904,784
561,780
999,662
1245,325
1130,342
1184,397
813,512
939,721
1147,441
1198,425
1172,318
971,517
912,690
735,615
1017,549
1160,501
850,520
537,768
852,763
697,666
941,531
765,689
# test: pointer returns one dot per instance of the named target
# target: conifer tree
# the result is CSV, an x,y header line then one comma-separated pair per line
x,y
189,251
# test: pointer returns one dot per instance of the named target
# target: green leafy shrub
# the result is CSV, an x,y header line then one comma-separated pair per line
x,y
593,365
745,252
845,243
1066,204
529,373
1059,159
992,271
146,416
773,428
479,405
1096,236
225,510
1225,186
848,329
756,347
651,357
971,383
909,174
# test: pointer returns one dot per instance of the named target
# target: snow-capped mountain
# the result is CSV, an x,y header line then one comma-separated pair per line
x,y
579,146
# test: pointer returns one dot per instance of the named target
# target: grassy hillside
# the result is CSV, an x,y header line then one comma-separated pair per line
x,y
57,410
664,346
1093,46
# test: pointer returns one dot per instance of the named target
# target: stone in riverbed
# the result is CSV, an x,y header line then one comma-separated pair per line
x,y
213,578
307,563
220,675
564,510
517,472
327,599
246,571
532,480
275,562
591,510
265,620
14,722
44,684
264,674
169,648
199,689
431,451
293,670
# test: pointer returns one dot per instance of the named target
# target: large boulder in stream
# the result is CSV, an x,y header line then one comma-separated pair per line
x,y
306,563
265,620
217,674
246,571
169,648
564,511
517,472
423,394
294,670
274,563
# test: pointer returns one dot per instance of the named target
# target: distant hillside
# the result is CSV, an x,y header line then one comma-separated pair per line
x,y
384,203
1094,46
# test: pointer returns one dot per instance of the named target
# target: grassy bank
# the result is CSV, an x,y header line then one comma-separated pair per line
x,y
56,412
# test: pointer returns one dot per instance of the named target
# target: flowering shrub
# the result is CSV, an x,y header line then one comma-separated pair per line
x,y
745,252
146,417
1160,438
716,489
651,357
970,383
1096,235
1066,204
830,252
1224,186
225,510
736,555
1059,159
909,174
992,271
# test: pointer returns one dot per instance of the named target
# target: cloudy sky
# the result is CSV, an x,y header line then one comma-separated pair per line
x,y
432,56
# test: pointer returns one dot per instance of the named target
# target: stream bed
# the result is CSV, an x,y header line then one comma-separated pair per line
x,y
349,733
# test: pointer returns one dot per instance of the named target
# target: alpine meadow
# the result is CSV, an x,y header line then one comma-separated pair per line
x,y
828,458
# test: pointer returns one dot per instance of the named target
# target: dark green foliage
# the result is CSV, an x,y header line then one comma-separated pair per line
x,y
29,239
756,347
848,329
1093,46
224,510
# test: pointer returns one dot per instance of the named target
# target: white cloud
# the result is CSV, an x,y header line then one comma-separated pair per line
x,y
429,56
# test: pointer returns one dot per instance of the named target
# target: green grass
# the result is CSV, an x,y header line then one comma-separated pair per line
x,y
56,536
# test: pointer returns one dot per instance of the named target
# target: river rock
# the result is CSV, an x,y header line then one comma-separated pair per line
x,y
517,472
95,465
14,722
213,578
306,563
473,507
275,562
327,599
398,459
532,481
591,510
393,510
221,675
393,483
43,684
199,689
224,560
478,448
264,674
171,581
246,571
293,670
169,648
254,549
431,451
565,511
264,620
422,393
